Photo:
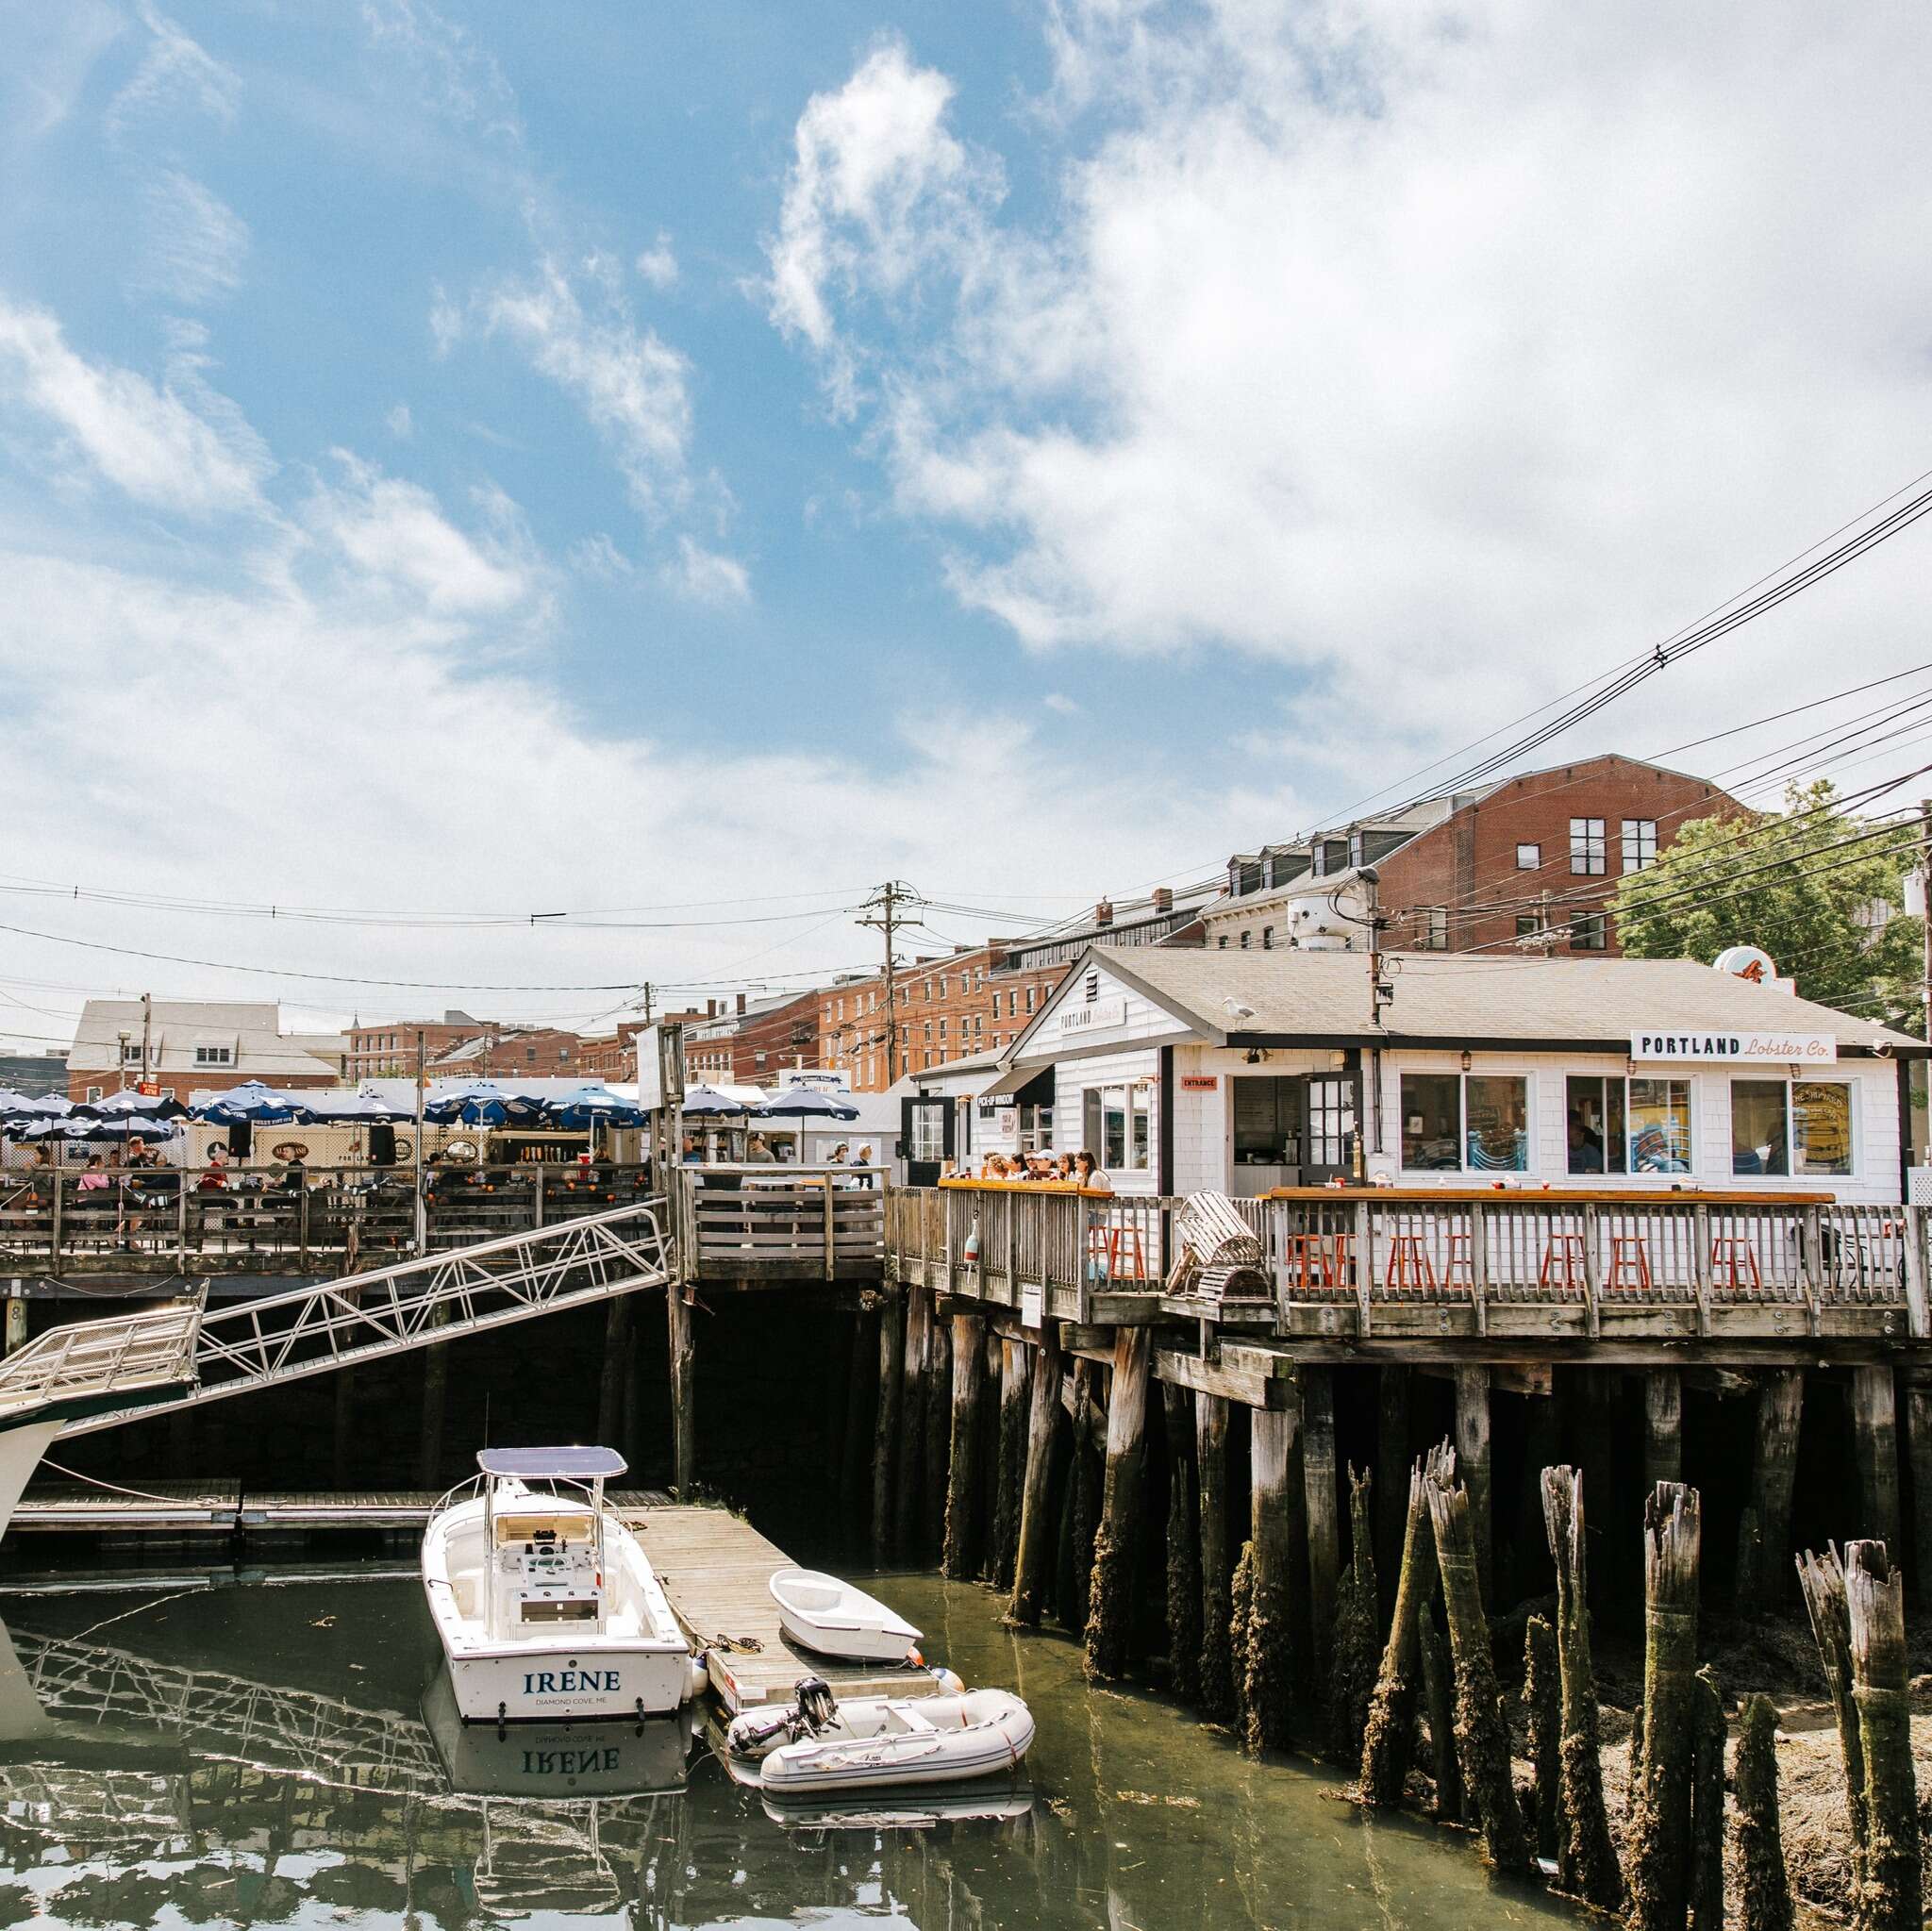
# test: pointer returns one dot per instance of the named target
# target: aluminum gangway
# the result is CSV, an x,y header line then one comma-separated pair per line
x,y
93,1374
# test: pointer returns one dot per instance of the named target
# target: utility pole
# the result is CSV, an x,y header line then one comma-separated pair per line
x,y
1925,920
1380,993
884,904
147,1021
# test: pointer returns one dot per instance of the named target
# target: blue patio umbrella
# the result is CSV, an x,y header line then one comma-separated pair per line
x,y
478,1103
355,1109
79,1126
804,1103
21,1107
131,1106
257,1103
708,1103
590,1105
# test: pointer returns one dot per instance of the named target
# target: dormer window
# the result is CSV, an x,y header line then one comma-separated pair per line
x,y
211,1055
1250,878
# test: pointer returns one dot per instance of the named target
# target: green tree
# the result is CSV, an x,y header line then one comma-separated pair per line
x,y
1777,881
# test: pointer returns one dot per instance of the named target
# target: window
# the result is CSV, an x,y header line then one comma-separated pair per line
x,y
1432,928
1760,1126
1354,849
214,1056
1123,1117
1598,1143
1589,932
1319,865
942,1026
1587,847
1457,1122
130,1053
1331,1122
1821,1128
93,1093
1529,858
1222,941
1527,925
1640,843
1245,941
1267,938
1249,878
1029,997
995,1005
1658,1114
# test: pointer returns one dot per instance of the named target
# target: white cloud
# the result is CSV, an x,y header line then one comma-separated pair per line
x,y
194,243
632,386
459,81
706,577
396,533
657,264
402,425
175,74
1377,342
175,446
598,555
1061,704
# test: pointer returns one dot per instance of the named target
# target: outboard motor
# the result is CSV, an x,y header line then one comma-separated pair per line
x,y
816,1704
814,1707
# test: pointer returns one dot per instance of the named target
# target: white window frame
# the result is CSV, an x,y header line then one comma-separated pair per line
x,y
1790,1172
1462,1080
1534,862
1136,1097
1642,860
1627,1172
1584,834
214,1056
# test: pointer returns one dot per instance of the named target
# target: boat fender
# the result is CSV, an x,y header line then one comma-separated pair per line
x,y
970,1257
949,1681
697,1679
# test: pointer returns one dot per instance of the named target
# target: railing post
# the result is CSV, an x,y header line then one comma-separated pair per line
x,y
181,1214
1700,1219
537,1201
1364,1265
831,1232
302,1218
54,1235
1811,1268
1013,1248
1915,1271
1592,1272
1479,1264
1083,1262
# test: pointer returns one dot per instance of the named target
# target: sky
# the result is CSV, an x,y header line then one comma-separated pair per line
x,y
679,467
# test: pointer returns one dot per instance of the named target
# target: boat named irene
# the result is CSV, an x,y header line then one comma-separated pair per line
x,y
544,1600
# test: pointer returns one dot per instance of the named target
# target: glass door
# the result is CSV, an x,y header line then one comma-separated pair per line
x,y
1328,1145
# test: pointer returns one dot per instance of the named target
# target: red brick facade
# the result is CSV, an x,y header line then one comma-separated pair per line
x,y
948,1008
389,1051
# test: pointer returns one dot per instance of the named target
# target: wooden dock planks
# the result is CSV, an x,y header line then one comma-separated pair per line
x,y
715,1568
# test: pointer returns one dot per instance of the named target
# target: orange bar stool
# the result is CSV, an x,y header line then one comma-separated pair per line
x,y
1462,1255
1563,1262
1305,1260
1629,1263
1409,1267
1734,1256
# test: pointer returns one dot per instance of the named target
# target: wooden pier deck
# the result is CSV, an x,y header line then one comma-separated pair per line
x,y
714,1567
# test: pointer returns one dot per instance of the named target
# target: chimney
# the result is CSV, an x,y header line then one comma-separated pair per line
x,y
740,1004
1163,899
1103,912
710,1009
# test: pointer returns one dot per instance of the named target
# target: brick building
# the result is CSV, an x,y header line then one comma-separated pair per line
x,y
1532,861
389,1051
511,1052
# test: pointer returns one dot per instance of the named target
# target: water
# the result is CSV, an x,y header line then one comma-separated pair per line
x,y
258,1754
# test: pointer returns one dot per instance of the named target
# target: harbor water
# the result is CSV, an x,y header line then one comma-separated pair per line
x,y
272,1749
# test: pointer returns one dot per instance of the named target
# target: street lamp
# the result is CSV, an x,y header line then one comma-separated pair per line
x,y
125,1035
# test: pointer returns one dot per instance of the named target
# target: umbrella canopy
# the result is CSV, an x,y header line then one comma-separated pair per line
x,y
256,1102
583,1105
804,1103
479,1103
131,1106
15,1105
708,1103
79,1126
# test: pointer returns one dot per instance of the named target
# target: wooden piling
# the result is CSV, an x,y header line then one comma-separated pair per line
x,y
1183,1545
1586,1858
614,1371
345,1429
1033,1562
1707,1805
1391,1458
1083,1505
1323,1526
1356,1652
1874,1444
1473,1466
1764,1534
962,1462
1822,1581
16,1322
862,1350
915,1390
1663,1427
1389,1739
885,1434
1265,1650
1542,1699
939,1438
1240,1609
1482,1738
1110,1589
1918,1389
1533,1575
1766,1891
1660,1825
1015,1369
1215,1685
1890,1891
684,1375
1439,1699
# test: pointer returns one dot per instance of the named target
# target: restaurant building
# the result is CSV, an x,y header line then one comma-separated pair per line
x,y
1184,1069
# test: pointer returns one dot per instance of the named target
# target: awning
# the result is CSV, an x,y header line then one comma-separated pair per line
x,y
1012,1078
553,1464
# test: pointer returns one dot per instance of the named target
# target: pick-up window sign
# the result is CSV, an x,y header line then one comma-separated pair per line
x,y
1780,1049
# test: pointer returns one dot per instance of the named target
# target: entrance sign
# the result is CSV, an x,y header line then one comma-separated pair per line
x,y
1200,1082
1809,1049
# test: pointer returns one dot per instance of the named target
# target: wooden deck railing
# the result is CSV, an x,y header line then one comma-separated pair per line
x,y
1367,1262
768,1221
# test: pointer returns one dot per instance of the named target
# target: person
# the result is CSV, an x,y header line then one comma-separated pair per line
x,y
1063,1170
215,1180
1086,1174
1585,1149
94,1176
864,1165
838,1154
691,1155
993,1167
759,1150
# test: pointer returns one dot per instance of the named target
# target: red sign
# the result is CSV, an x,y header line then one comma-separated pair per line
x,y
149,1088
1199,1082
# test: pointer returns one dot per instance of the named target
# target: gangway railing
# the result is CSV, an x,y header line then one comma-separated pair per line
x,y
123,1354
246,1345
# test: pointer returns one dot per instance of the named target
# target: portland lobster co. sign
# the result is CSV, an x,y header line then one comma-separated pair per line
x,y
1781,1049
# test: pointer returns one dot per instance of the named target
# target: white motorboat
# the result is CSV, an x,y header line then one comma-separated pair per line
x,y
544,1603
876,1743
832,1619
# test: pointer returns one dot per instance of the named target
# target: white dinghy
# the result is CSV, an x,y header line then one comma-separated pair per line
x,y
876,1743
543,1601
832,1619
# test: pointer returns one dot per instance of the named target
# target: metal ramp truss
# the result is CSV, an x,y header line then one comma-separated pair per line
x,y
205,1354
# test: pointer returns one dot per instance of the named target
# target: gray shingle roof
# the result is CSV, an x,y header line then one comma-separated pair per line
x,y
1454,996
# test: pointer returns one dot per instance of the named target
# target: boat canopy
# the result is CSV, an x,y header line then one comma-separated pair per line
x,y
557,1464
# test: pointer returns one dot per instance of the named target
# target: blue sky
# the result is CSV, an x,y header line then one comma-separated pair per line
x,y
476,457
